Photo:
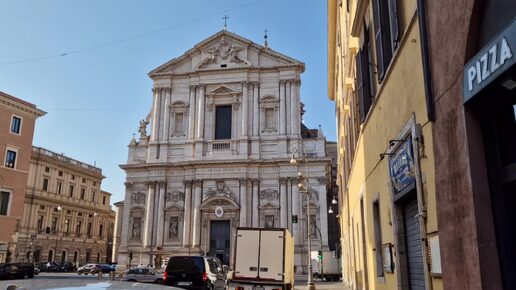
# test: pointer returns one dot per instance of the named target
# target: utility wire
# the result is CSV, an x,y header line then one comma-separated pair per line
x,y
109,43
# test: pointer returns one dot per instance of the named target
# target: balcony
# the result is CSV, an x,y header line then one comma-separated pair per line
x,y
218,146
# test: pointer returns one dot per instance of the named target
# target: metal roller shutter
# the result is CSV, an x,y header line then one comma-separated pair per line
x,y
414,252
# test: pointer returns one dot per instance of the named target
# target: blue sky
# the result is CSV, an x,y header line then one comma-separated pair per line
x,y
96,94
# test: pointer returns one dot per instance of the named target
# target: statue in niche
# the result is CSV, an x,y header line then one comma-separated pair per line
x,y
269,221
136,227
143,129
172,227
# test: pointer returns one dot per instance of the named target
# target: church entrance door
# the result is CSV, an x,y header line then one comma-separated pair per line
x,y
220,233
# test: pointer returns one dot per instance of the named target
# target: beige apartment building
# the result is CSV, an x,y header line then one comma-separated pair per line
x,y
67,217
17,121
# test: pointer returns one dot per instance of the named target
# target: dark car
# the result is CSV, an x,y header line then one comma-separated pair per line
x,y
66,267
16,271
48,266
195,272
104,268
88,269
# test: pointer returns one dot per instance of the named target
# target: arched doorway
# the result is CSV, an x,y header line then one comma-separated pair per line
x,y
51,255
63,256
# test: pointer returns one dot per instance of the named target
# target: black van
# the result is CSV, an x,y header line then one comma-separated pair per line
x,y
195,272
16,271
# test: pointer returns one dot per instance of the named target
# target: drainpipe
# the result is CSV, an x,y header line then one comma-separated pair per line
x,y
429,97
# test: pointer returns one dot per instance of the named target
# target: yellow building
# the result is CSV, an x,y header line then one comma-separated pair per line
x,y
386,163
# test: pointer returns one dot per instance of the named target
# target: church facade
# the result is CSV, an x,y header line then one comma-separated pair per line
x,y
223,128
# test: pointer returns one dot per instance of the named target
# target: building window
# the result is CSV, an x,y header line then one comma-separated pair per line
x,y
67,225
88,231
94,183
47,169
4,202
78,227
223,122
385,16
84,180
270,120
71,190
101,230
40,222
83,191
10,159
104,200
45,184
365,84
378,239
269,221
73,177
16,125
54,224
59,186
93,193
60,173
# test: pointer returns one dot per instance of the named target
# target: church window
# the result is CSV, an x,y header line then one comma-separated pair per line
x,y
223,122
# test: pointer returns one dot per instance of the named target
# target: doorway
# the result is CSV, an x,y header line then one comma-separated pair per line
x,y
220,235
414,253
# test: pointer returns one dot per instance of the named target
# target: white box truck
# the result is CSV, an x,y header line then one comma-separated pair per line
x,y
263,260
326,269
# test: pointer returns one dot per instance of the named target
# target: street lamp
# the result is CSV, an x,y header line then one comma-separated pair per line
x,y
303,187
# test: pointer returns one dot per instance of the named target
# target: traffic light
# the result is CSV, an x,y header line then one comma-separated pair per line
x,y
319,255
294,218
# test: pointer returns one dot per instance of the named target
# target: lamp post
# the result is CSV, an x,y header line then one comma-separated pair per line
x,y
304,187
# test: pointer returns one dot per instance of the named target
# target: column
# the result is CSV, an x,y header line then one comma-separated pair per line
x,y
283,202
323,210
256,204
282,108
200,113
191,113
166,119
155,114
297,89
245,115
187,213
294,104
197,214
161,213
289,105
256,109
296,228
148,215
243,202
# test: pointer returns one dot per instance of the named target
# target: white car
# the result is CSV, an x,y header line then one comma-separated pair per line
x,y
144,275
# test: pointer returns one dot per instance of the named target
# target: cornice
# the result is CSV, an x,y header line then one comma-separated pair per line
x,y
66,165
219,70
21,107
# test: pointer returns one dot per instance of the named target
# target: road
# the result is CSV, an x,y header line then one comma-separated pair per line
x,y
72,281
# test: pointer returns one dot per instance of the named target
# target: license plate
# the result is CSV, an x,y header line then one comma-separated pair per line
x,y
184,283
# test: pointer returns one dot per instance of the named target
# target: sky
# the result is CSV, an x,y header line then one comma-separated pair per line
x,y
85,63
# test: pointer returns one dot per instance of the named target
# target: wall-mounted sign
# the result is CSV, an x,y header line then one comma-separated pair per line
x,y
401,167
494,59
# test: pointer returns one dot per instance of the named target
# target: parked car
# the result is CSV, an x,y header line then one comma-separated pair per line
x,y
36,270
144,275
195,272
105,268
48,266
88,269
16,271
66,267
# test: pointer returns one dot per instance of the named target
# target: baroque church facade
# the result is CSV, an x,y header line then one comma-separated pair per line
x,y
224,125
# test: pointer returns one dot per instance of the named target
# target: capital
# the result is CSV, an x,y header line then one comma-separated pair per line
x,y
244,84
197,182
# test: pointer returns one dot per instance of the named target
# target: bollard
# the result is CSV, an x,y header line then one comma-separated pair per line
x,y
112,276
99,274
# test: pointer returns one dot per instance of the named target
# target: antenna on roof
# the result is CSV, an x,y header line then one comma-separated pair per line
x,y
266,43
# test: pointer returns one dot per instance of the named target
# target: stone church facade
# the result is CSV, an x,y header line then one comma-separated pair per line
x,y
224,125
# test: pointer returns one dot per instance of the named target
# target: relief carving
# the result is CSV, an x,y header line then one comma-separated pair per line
x,y
221,190
138,198
269,194
176,196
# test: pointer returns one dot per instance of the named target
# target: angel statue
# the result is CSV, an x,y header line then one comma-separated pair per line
x,y
143,129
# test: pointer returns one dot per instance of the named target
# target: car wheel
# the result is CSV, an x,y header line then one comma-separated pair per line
x,y
131,280
159,281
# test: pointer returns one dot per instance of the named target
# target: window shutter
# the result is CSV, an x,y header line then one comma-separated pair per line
x,y
360,84
394,23
366,80
378,38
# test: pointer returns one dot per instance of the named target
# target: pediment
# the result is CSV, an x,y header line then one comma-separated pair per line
x,y
222,90
222,51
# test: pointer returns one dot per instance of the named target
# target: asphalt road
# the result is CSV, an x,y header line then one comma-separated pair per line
x,y
72,281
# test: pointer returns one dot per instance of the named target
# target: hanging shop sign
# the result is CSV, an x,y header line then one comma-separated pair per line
x,y
493,60
401,167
